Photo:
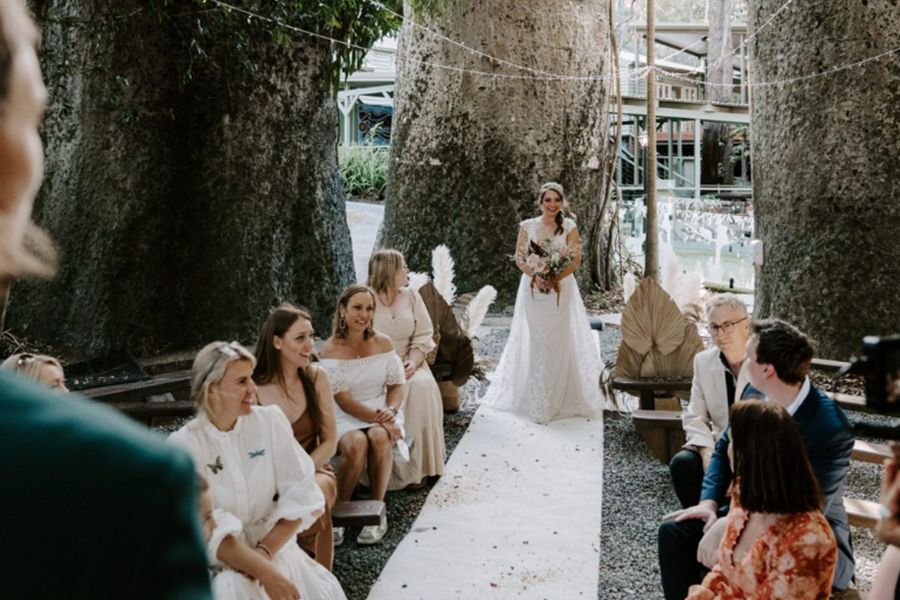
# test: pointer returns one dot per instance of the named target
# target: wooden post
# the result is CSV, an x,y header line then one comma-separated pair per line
x,y
651,248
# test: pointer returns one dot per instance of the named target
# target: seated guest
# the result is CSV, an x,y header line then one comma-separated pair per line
x,y
367,378
262,482
303,391
400,313
718,382
885,584
777,543
39,367
778,362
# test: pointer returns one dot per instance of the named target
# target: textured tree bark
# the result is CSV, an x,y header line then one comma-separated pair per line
x,y
825,184
469,152
716,158
183,208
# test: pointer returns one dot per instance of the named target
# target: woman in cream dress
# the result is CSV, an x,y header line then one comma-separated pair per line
x,y
400,313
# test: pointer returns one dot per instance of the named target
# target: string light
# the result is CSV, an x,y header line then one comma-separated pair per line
x,y
636,74
826,72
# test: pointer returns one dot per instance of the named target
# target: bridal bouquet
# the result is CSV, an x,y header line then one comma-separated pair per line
x,y
547,261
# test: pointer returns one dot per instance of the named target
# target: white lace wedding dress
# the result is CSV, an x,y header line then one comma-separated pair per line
x,y
550,367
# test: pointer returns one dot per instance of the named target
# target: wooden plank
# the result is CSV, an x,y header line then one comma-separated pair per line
x,y
872,453
637,385
661,430
862,513
829,366
141,410
661,418
848,402
357,513
161,384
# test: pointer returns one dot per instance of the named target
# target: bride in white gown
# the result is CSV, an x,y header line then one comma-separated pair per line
x,y
551,366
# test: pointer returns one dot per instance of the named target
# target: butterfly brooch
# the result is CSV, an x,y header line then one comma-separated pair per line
x,y
257,453
216,466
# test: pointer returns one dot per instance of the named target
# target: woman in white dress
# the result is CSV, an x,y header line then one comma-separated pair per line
x,y
400,313
262,482
550,367
367,379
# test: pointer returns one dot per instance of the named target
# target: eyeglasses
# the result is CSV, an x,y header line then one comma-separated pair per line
x,y
229,350
726,327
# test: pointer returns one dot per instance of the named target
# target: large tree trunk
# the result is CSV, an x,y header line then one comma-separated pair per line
x,y
469,152
825,185
717,145
183,207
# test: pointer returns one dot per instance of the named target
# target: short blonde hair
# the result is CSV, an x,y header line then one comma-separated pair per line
x,y
725,299
383,267
209,368
29,365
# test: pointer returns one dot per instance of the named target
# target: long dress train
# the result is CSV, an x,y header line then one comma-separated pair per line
x,y
550,367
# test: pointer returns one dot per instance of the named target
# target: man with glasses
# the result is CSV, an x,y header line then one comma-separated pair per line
x,y
719,380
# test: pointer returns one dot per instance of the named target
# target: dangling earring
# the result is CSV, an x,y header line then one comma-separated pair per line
x,y
342,325
370,331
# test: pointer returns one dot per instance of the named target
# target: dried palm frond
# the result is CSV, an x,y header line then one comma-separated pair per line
x,y
478,308
651,320
677,364
417,280
442,265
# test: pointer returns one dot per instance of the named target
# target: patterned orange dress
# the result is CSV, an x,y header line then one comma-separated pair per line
x,y
794,559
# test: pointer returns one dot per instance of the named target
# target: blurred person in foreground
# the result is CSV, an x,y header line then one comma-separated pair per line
x,y
777,543
886,583
94,505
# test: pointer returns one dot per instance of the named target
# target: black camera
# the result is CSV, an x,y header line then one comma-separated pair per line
x,y
880,367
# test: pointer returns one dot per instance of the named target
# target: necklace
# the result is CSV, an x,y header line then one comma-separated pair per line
x,y
383,297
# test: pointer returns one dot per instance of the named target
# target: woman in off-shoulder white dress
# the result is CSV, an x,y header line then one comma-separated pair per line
x,y
550,367
367,379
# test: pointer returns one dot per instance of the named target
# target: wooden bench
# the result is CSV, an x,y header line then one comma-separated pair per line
x,y
648,389
163,397
357,513
862,513
661,430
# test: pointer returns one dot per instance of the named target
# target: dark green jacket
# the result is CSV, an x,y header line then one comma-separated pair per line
x,y
92,505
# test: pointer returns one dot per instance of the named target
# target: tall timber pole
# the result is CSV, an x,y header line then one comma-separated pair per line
x,y
651,249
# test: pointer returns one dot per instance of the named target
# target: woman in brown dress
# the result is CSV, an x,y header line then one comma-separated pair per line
x,y
303,391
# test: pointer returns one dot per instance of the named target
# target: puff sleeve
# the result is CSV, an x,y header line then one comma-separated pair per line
x,y
394,374
298,495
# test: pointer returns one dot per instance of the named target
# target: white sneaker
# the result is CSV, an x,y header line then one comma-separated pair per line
x,y
338,536
372,534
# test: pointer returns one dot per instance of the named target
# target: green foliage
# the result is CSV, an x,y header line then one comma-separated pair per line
x,y
354,25
364,170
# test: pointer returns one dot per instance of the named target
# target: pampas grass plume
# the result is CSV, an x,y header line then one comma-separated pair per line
x,y
478,308
442,264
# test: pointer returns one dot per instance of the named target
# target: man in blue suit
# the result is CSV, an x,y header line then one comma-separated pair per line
x,y
93,505
778,362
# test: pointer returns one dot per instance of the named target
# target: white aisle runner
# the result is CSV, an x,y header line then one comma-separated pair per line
x,y
517,515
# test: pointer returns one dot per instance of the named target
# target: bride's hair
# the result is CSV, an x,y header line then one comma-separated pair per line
x,y
555,187
383,268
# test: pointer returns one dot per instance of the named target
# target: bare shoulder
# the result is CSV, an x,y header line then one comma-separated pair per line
x,y
329,349
382,342
319,374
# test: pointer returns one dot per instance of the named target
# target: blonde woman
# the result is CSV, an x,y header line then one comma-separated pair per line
x,y
400,313
39,367
262,481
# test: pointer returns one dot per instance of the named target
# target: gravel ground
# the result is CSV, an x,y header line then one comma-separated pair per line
x,y
632,505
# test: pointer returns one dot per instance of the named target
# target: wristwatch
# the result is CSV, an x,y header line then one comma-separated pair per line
x,y
393,410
